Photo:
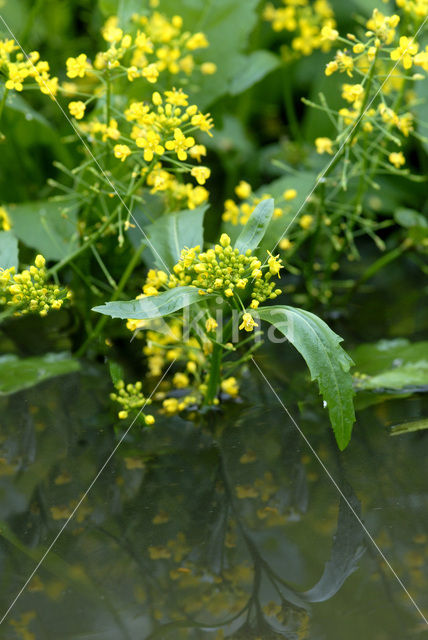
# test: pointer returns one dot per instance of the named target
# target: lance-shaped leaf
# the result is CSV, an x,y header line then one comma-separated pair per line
x,y
153,306
253,232
328,363
170,233
8,250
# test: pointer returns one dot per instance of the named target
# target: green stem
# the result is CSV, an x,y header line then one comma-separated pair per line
x,y
214,375
120,287
90,241
3,101
290,110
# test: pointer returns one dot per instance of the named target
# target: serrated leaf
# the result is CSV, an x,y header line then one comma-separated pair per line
x,y
8,250
328,363
17,374
153,306
253,232
170,233
44,226
252,68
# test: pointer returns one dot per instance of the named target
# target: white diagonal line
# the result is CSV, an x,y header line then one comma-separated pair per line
x,y
366,531
70,517
355,125
82,140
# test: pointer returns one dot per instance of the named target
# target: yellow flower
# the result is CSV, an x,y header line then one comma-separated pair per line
x,y
208,68
243,190
197,41
285,244
180,380
421,59
248,322
352,92
121,151
289,194
211,325
331,67
324,145
197,152
77,109
405,51
132,73
17,74
5,220
77,67
327,33
150,73
275,264
201,174
180,144
230,386
397,159
177,98
306,221
151,145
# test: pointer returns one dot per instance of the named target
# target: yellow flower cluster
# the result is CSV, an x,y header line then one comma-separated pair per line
x,y
156,129
18,68
156,44
130,398
382,47
226,271
29,291
311,23
240,213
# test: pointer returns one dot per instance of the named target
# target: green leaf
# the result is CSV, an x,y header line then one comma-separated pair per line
x,y
227,25
328,363
170,233
17,374
409,218
8,250
391,364
117,372
153,306
253,232
408,427
252,68
45,226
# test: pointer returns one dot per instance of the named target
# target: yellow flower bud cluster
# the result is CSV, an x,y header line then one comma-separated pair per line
x,y
130,397
311,25
29,291
226,271
18,68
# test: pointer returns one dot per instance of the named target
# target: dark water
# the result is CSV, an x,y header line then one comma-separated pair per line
x,y
228,528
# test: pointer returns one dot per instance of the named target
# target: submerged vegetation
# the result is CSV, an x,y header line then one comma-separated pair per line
x,y
138,142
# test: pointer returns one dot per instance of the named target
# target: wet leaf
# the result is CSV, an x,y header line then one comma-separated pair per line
x,y
8,250
44,226
253,232
17,374
153,306
328,363
171,233
391,364
252,68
